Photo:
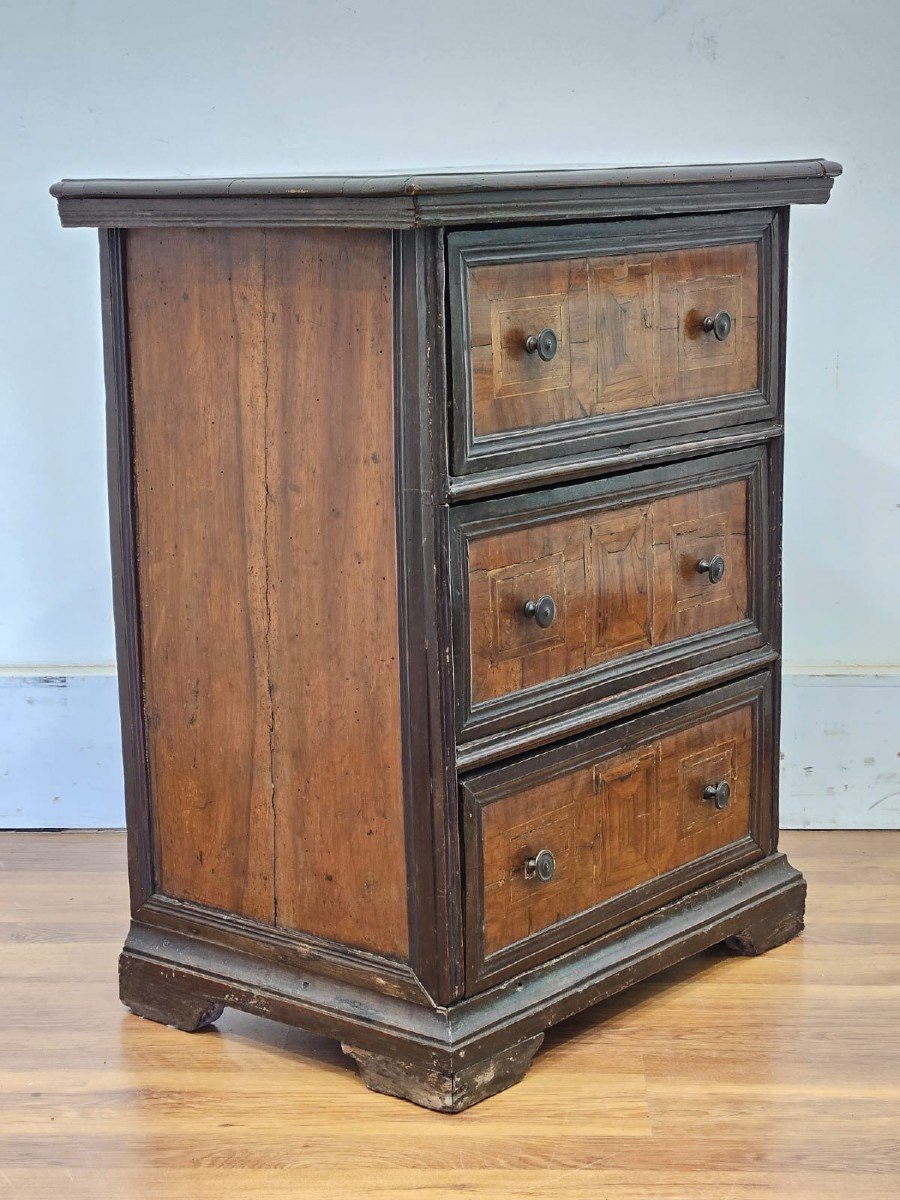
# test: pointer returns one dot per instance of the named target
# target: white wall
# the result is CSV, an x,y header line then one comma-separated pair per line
x,y
107,87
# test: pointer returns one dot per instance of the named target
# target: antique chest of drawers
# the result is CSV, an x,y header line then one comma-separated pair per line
x,y
446,537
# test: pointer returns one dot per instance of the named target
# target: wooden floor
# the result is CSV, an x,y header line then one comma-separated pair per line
x,y
723,1078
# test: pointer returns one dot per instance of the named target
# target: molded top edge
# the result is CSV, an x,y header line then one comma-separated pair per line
x,y
442,184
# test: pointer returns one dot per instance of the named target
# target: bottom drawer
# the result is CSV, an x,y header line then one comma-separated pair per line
x,y
570,842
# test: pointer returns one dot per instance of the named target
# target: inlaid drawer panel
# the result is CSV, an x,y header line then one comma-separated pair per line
x,y
574,339
584,836
566,592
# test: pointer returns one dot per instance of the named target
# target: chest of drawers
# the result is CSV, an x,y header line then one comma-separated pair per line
x,y
446,539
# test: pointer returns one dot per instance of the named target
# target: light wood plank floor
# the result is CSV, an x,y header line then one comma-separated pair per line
x,y
723,1078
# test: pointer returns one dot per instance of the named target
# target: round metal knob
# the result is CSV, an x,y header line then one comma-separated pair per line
x,y
542,867
545,343
543,611
720,325
714,567
719,793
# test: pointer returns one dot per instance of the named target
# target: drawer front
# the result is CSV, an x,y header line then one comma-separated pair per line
x,y
628,816
637,575
635,350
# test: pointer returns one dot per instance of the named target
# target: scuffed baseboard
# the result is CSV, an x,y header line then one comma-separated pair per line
x,y
840,751
60,752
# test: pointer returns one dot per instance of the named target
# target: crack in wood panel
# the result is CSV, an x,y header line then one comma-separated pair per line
x,y
338,771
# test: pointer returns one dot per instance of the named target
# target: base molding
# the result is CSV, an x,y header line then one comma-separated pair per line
x,y
448,1058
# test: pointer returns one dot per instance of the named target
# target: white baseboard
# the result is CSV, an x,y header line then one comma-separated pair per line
x,y
840,751
61,766
60,752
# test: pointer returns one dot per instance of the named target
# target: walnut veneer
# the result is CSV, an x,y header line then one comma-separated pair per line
x,y
630,328
446,538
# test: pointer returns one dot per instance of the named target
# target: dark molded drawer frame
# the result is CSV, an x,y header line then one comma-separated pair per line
x,y
589,688
484,787
604,436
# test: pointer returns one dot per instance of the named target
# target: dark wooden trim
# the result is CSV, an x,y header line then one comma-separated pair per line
x,y
290,948
430,782
445,182
485,751
606,462
496,783
776,522
776,497
410,200
584,204
123,546
248,212
153,963
155,959
607,434
571,693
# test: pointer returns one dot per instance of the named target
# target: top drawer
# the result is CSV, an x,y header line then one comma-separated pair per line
x,y
585,339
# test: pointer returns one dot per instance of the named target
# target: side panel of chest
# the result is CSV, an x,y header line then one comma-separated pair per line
x,y
262,391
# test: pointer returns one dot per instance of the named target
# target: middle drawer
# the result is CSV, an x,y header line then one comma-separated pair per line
x,y
566,596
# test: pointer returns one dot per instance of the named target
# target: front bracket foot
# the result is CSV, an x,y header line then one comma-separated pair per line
x,y
440,1090
149,993
774,929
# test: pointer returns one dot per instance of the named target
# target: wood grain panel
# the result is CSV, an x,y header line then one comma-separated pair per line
x,y
509,651
334,632
613,824
622,304
195,304
624,580
559,816
710,752
619,578
695,283
688,528
507,303
627,790
263,398
630,332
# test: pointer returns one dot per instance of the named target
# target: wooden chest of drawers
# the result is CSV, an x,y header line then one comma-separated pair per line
x,y
446,537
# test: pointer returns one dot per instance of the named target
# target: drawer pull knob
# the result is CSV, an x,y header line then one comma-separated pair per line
x,y
719,793
542,867
543,611
545,343
720,325
714,567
